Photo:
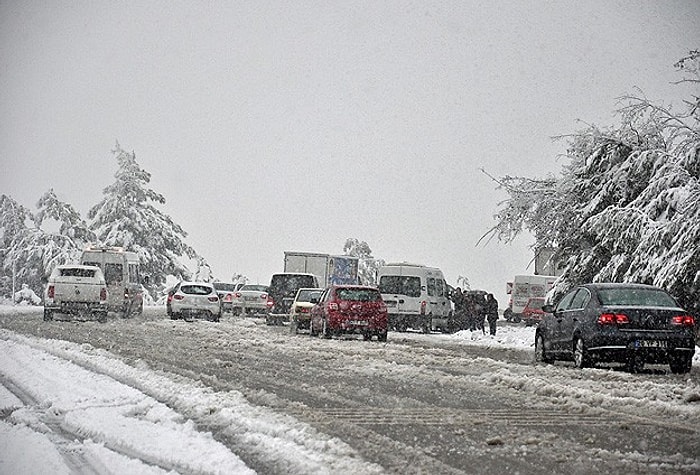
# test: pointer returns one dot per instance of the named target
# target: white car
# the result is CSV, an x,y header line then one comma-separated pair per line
x,y
300,316
194,299
251,299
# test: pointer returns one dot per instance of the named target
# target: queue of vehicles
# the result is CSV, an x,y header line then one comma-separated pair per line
x,y
631,324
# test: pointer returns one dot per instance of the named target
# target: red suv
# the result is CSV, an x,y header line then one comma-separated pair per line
x,y
350,309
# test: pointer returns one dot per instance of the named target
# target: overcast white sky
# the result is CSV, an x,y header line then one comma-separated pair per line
x,y
274,125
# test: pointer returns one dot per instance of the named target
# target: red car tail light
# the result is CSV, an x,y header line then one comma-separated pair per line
x,y
213,298
263,296
51,292
228,298
237,295
270,302
103,293
613,319
684,320
304,309
423,305
178,297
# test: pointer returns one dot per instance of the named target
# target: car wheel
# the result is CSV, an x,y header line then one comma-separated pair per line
x,y
680,363
581,358
367,336
381,336
541,355
634,363
102,317
48,315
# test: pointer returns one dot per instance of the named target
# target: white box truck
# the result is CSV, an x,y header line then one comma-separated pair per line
x,y
327,268
524,289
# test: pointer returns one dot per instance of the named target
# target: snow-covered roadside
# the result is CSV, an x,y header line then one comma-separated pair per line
x,y
81,406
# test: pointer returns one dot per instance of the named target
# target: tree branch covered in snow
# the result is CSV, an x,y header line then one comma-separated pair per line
x,y
627,204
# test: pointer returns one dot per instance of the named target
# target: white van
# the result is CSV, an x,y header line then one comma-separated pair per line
x,y
416,296
121,271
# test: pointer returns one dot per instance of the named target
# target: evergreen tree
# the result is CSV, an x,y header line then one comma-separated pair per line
x,y
72,236
13,228
367,265
627,206
126,217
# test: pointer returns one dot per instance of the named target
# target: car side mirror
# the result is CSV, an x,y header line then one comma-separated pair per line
x,y
548,308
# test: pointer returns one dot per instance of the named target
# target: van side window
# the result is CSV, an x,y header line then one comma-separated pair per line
x,y
440,285
134,274
432,291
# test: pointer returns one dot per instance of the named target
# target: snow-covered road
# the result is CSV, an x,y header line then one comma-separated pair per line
x,y
69,407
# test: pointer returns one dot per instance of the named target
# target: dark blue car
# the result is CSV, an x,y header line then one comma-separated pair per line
x,y
632,324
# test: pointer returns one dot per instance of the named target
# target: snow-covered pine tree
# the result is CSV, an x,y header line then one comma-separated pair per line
x,y
367,265
126,217
627,206
13,228
71,237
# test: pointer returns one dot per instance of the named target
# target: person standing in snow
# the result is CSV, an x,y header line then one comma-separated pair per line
x,y
491,310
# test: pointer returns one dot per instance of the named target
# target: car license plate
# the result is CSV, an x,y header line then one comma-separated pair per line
x,y
250,299
358,322
651,344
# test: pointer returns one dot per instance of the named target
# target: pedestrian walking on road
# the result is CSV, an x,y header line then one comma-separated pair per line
x,y
491,313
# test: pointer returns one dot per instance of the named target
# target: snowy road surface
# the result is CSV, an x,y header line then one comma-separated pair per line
x,y
150,395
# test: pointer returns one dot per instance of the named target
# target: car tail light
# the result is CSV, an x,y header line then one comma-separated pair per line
x,y
178,297
237,295
213,298
51,292
333,306
263,296
270,302
228,298
303,309
685,320
423,305
103,293
170,298
613,318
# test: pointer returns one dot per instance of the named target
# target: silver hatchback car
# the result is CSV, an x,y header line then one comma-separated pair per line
x,y
194,299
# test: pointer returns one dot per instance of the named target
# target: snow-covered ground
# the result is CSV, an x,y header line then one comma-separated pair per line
x,y
74,408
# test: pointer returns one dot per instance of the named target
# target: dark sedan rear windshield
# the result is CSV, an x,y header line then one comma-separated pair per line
x,y
636,297
196,289
359,295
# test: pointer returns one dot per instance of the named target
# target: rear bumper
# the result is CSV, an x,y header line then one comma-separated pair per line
x,y
653,346
77,307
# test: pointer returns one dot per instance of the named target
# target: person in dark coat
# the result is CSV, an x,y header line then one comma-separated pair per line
x,y
491,312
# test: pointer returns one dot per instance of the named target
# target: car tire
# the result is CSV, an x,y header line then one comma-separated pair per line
x,y
382,336
581,358
48,315
634,363
680,363
102,317
541,355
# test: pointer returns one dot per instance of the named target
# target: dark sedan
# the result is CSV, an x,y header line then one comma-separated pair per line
x,y
632,324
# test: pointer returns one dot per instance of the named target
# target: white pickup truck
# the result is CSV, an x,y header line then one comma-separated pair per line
x,y
76,290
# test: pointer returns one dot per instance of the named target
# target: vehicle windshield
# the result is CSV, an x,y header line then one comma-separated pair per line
x,y
254,288
77,272
224,286
636,297
400,284
305,295
289,284
195,289
359,295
